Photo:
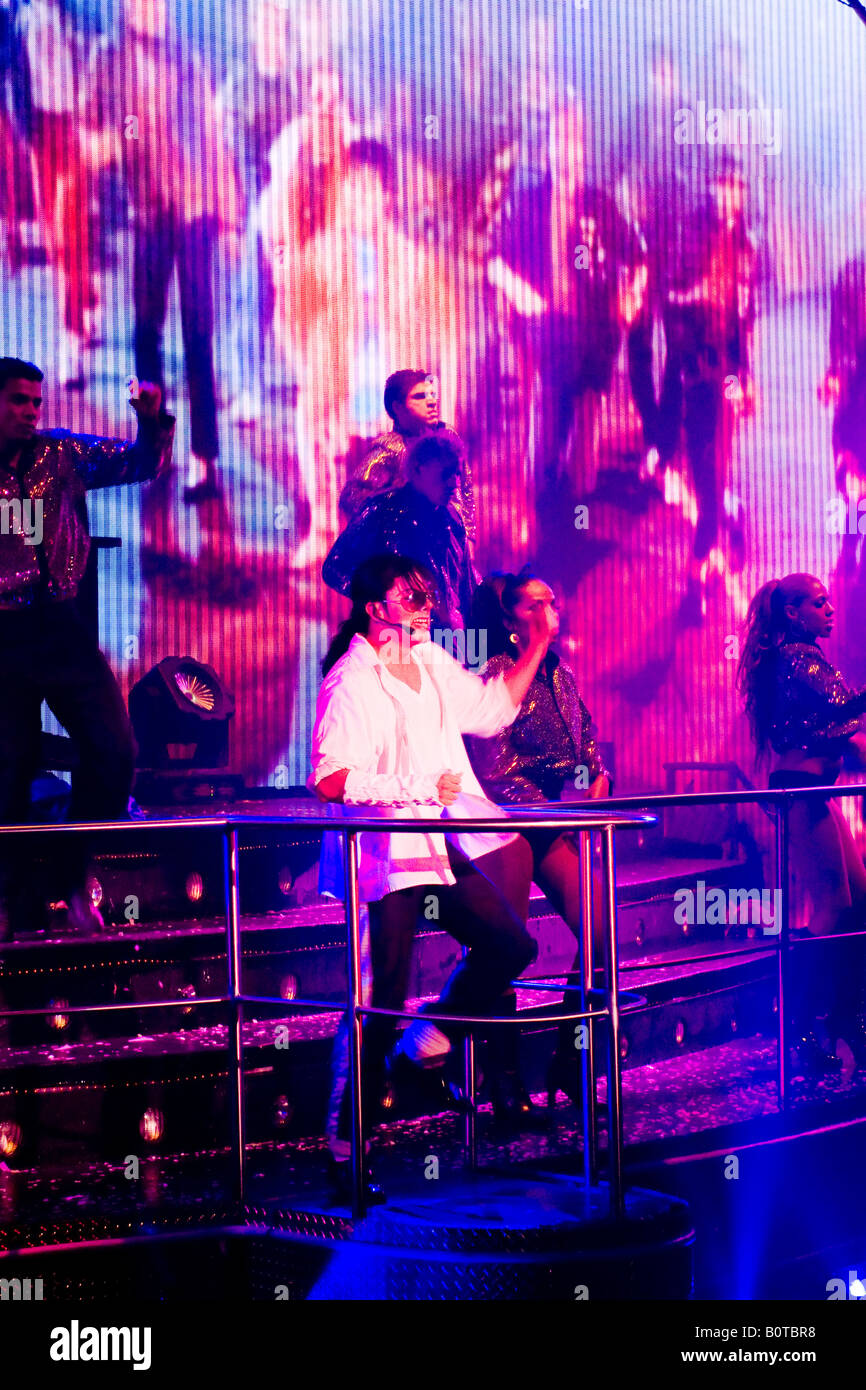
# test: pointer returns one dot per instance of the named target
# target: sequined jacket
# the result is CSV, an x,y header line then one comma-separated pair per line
x,y
55,471
813,707
550,739
405,522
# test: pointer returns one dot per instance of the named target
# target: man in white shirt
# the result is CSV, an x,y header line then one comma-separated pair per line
x,y
388,734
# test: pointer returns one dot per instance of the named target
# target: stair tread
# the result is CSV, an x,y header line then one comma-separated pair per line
x,y
649,874
306,1027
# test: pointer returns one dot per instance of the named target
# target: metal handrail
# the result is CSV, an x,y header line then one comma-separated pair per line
x,y
540,813
584,819
659,800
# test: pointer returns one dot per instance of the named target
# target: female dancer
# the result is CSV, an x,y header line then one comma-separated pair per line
x,y
389,720
799,706
550,743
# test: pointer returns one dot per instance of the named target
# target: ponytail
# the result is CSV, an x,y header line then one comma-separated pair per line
x,y
343,637
493,605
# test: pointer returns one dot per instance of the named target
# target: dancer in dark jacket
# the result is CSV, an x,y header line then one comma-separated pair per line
x,y
49,652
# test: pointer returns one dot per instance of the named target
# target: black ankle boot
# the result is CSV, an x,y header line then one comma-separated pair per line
x,y
340,1178
563,1074
513,1109
429,1085
814,1055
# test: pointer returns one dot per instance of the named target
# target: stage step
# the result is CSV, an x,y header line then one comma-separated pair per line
x,y
92,1095
300,952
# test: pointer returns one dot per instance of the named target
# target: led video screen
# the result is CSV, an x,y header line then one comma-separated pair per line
x,y
622,241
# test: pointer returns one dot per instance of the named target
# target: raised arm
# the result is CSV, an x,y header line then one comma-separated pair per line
x,y
484,707
521,675
111,462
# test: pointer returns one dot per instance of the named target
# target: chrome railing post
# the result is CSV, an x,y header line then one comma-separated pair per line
x,y
233,958
587,1053
353,926
783,957
470,1129
614,1072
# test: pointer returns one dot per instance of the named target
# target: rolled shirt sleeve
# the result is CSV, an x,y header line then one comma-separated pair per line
x,y
344,739
341,731
479,707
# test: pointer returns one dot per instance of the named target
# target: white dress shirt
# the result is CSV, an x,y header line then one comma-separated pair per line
x,y
396,744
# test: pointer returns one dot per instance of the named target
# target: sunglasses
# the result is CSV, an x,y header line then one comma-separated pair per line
x,y
416,599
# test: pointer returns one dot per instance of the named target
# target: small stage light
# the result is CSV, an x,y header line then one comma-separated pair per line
x,y
680,1033
180,713
289,987
194,887
282,1113
623,1046
152,1125
58,1020
10,1138
286,879
186,992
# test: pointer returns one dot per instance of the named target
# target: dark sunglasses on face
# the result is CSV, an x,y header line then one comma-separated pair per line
x,y
417,599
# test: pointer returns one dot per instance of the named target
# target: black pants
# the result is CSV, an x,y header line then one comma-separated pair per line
x,y
49,654
477,915
163,240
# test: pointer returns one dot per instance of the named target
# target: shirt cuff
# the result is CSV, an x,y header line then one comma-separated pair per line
x,y
388,789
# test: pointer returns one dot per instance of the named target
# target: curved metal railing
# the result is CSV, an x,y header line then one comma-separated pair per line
x,y
615,814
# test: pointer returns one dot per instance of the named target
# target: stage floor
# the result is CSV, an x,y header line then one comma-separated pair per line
x,y
720,1095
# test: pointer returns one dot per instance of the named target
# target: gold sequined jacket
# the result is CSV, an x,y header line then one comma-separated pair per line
x,y
813,707
551,738
46,558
